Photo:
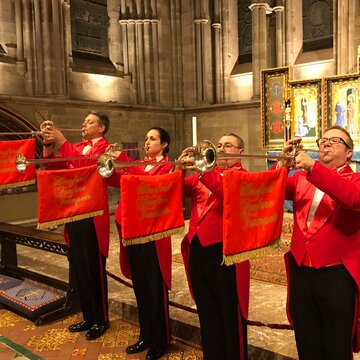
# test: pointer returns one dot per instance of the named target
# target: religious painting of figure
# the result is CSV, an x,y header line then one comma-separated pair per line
x,y
344,104
274,92
306,109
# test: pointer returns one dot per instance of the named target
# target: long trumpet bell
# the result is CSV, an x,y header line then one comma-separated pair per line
x,y
205,156
105,165
21,163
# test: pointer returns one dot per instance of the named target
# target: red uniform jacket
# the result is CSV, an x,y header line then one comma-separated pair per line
x,y
207,223
333,234
102,222
163,246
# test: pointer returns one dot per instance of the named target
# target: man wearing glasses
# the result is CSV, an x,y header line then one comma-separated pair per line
x,y
323,263
221,292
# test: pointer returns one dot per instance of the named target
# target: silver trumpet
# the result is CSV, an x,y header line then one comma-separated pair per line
x,y
206,156
106,164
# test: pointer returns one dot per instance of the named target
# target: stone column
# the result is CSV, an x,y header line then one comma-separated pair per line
x,y
132,61
259,44
20,61
218,62
140,58
344,51
155,50
124,33
176,58
59,49
28,47
124,37
67,34
200,60
280,30
39,63
115,50
47,49
149,81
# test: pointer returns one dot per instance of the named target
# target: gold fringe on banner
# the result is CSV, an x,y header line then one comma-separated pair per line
x,y
17,184
50,224
251,254
152,237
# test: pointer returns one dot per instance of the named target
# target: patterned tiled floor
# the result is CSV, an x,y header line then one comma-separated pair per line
x,y
20,339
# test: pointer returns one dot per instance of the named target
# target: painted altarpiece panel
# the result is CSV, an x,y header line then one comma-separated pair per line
x,y
306,111
274,93
343,104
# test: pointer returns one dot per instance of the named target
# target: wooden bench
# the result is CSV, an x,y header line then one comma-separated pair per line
x,y
12,235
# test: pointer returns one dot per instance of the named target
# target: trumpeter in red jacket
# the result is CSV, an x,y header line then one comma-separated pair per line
x,y
221,292
88,239
323,264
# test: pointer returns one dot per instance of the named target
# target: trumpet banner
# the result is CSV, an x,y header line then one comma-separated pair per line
x,y
151,207
9,176
253,213
69,195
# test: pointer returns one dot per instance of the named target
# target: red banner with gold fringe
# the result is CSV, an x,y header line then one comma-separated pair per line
x,y
10,177
253,213
151,207
69,195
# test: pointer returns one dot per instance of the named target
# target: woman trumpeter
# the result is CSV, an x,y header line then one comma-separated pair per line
x,y
148,265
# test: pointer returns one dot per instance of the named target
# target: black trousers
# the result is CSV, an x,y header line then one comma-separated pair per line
x,y
322,302
214,287
151,294
89,270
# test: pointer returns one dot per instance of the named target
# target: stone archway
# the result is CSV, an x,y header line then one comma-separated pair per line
x,y
12,122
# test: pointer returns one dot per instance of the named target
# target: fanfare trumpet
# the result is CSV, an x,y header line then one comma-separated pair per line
x,y
206,156
37,132
105,162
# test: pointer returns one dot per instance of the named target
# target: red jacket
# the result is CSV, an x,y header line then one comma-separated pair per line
x,y
207,223
102,222
334,232
163,246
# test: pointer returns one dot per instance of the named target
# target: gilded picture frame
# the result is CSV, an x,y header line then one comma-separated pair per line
x,y
306,111
274,93
343,104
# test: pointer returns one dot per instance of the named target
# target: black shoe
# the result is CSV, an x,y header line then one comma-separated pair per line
x,y
155,352
82,326
96,331
139,346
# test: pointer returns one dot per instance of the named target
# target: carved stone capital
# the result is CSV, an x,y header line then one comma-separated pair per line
x,y
266,6
216,25
200,21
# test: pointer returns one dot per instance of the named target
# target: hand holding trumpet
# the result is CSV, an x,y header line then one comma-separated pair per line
x,y
186,160
295,157
51,134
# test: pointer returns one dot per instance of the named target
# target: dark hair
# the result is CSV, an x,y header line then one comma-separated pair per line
x,y
164,138
349,141
103,120
240,141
